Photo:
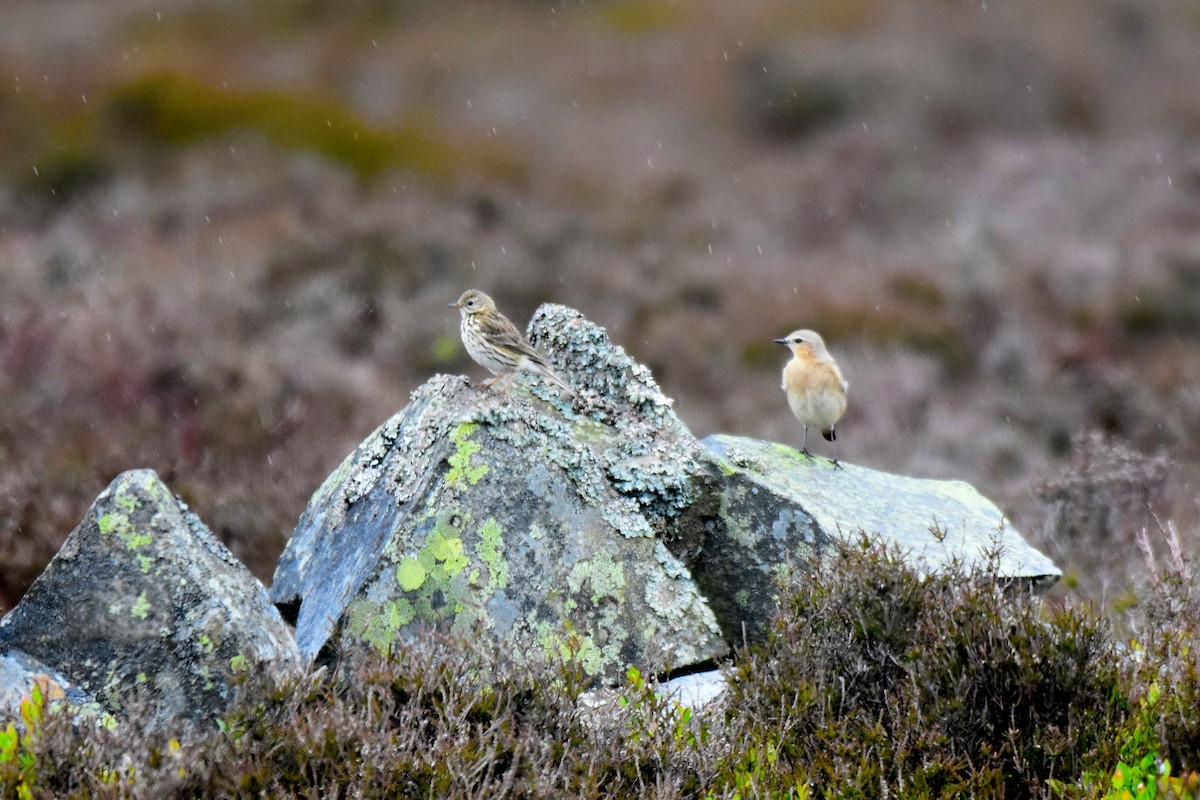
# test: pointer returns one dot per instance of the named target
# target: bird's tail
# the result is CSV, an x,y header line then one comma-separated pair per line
x,y
552,376
829,434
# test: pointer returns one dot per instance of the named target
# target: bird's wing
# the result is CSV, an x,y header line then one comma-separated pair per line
x,y
503,334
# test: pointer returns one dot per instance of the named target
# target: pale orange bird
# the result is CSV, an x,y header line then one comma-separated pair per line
x,y
815,388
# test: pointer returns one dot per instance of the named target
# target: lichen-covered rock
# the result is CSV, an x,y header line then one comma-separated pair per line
x,y
771,507
598,526
512,515
142,599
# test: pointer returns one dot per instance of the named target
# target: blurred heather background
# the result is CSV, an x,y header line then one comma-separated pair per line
x,y
229,232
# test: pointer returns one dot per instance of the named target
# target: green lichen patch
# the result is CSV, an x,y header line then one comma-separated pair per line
x,y
111,523
410,575
462,470
118,524
425,587
604,576
571,646
442,555
379,624
141,607
490,550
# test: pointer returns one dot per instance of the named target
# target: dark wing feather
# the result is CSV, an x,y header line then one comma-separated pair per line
x,y
503,334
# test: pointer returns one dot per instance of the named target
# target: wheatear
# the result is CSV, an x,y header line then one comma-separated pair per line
x,y
815,388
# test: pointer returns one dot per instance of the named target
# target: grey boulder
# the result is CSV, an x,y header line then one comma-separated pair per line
x,y
519,516
142,601
775,508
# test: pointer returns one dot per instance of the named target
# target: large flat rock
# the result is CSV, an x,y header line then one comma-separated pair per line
x,y
772,507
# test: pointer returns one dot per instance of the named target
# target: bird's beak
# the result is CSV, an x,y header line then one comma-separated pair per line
x,y
781,341
456,305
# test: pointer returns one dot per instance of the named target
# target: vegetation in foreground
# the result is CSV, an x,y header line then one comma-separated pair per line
x,y
876,681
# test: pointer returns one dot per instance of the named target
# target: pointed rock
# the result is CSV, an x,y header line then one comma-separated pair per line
x,y
142,599
514,515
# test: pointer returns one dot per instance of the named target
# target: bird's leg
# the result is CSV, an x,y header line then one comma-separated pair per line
x,y
804,443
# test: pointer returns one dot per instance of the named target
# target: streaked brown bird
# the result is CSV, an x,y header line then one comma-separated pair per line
x,y
816,390
495,343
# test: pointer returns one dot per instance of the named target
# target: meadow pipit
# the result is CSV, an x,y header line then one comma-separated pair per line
x,y
815,388
495,343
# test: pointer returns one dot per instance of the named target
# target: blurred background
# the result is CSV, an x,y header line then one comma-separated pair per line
x,y
229,232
